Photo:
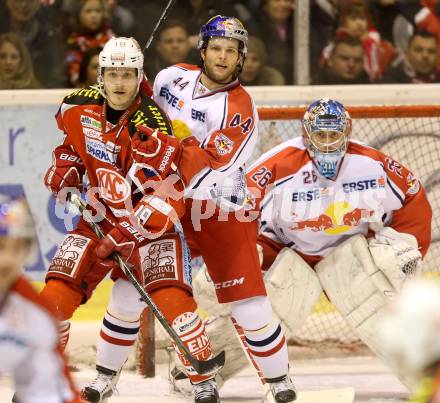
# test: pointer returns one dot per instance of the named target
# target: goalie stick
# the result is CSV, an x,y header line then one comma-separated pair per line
x,y
201,367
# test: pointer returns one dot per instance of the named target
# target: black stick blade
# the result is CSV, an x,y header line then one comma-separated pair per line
x,y
210,366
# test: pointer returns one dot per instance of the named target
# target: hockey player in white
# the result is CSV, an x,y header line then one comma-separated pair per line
x,y
335,215
218,122
29,343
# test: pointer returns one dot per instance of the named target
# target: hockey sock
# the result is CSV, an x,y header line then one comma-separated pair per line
x,y
179,308
120,326
116,339
263,336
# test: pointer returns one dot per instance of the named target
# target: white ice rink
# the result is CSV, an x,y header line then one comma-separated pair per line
x,y
372,381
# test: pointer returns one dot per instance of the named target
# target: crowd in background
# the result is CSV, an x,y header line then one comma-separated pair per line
x,y
55,43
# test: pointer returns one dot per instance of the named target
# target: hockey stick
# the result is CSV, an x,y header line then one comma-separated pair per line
x,y
268,396
201,367
158,24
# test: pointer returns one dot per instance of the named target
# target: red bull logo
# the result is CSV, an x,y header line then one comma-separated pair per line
x,y
338,218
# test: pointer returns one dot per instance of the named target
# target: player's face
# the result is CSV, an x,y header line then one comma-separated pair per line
x,y
9,60
422,54
13,254
221,58
327,141
120,84
347,61
91,15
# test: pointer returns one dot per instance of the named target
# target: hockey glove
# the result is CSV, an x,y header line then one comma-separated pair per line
x,y
154,149
396,254
152,217
66,171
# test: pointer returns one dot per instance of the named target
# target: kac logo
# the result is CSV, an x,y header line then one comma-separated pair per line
x,y
112,186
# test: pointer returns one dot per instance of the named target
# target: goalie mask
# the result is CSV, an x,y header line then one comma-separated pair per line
x,y
224,27
326,130
120,52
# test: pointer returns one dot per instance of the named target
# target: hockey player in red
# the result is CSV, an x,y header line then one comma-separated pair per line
x,y
218,123
29,342
141,222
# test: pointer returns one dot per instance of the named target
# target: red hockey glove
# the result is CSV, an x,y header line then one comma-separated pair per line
x,y
153,216
124,238
66,171
152,148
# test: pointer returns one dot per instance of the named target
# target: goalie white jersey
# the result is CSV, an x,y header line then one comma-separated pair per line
x,y
311,214
224,121
29,348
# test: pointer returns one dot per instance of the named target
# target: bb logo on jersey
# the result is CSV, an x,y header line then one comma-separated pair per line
x,y
112,186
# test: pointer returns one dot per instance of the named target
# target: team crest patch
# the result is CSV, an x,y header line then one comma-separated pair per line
x,y
223,144
413,184
112,186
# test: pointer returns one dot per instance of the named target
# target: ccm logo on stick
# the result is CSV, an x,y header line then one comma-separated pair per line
x,y
230,283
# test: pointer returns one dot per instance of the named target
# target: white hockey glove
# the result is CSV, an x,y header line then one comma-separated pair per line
x,y
396,254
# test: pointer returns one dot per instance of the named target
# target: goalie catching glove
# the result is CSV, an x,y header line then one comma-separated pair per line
x,y
151,219
154,149
396,254
65,172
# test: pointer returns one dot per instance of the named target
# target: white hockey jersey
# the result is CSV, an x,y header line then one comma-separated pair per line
x,y
302,209
224,121
29,348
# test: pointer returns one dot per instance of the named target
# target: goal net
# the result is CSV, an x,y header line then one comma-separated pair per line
x,y
411,135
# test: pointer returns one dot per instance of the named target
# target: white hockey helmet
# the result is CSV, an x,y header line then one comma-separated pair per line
x,y
15,219
120,52
410,327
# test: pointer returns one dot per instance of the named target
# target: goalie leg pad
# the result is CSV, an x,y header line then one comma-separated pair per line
x,y
358,290
293,288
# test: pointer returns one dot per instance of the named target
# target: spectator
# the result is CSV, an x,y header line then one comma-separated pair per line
x,y
195,13
43,40
324,18
420,62
172,47
255,71
345,64
120,18
355,22
16,70
92,31
428,19
88,70
276,31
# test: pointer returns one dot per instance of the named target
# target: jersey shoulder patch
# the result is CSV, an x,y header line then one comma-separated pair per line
x,y
84,96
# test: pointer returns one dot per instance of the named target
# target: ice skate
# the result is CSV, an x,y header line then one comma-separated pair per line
x,y
282,389
206,392
102,387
